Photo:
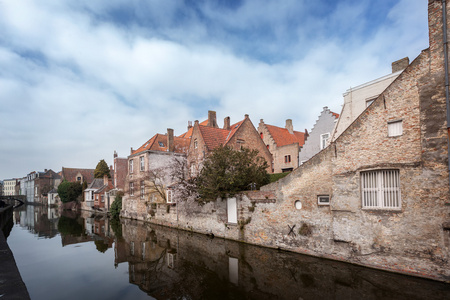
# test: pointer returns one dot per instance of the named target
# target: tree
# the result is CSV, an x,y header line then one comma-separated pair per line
x,y
102,169
116,206
69,191
226,172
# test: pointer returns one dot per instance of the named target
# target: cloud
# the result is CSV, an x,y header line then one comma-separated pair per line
x,y
79,80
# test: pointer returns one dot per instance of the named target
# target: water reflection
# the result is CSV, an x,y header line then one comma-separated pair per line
x,y
169,264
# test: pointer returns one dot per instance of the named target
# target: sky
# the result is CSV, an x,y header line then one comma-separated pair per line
x,y
82,79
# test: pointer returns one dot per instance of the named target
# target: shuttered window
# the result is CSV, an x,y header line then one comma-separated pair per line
x,y
395,128
381,189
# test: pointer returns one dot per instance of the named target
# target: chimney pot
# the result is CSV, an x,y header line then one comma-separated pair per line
x,y
170,141
226,123
212,122
289,126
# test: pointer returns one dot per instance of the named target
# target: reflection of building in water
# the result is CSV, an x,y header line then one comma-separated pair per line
x,y
167,264
39,220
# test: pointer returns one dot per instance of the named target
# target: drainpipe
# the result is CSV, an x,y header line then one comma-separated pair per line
x,y
444,21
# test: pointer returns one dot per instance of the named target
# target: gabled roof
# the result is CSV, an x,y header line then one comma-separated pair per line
x,y
159,143
214,137
70,174
96,184
282,137
188,134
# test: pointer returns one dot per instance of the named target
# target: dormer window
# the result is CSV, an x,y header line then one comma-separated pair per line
x,y
161,144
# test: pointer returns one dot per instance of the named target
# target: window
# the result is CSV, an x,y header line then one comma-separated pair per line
x,y
142,189
381,189
169,197
131,166
323,200
240,143
287,159
323,140
142,163
395,128
370,100
195,144
161,144
131,188
298,204
103,198
78,178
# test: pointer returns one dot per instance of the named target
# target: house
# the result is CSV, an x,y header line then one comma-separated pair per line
x,y
43,183
9,187
319,135
378,195
283,143
53,198
206,138
358,98
96,195
75,174
150,170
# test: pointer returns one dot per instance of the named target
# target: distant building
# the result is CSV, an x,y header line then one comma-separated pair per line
x,y
319,136
283,143
206,138
75,174
120,171
9,187
357,99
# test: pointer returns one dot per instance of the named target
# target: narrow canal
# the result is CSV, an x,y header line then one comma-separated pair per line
x,y
83,256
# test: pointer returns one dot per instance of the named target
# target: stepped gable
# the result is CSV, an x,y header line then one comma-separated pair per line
x,y
282,137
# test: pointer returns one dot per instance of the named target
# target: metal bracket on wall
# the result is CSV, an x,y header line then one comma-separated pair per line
x,y
291,230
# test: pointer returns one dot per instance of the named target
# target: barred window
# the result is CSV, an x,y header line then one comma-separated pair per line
x,y
131,188
381,189
142,189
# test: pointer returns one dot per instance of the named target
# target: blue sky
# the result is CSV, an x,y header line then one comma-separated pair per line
x,y
80,79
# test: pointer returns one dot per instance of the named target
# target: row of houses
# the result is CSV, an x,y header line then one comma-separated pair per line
x,y
376,193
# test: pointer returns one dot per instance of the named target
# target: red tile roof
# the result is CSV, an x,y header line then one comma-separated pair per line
x,y
282,136
214,137
188,133
334,114
159,143
70,174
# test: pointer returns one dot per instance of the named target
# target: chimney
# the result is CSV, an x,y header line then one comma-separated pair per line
x,y
115,154
289,126
400,64
212,122
45,170
170,143
226,123
131,150
105,179
246,116
189,125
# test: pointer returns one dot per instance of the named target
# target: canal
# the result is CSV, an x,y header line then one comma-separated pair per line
x,y
84,256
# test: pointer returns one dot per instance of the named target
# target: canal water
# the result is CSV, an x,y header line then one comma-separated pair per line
x,y
84,256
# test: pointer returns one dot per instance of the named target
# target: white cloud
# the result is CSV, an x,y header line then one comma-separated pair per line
x,y
76,85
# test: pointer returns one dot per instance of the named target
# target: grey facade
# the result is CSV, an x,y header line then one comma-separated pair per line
x,y
323,128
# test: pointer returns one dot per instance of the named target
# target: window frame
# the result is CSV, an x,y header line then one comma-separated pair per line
x,y
130,166
142,188
169,197
131,186
141,163
323,142
392,131
323,203
381,189
287,159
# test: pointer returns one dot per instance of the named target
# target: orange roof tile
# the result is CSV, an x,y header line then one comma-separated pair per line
x,y
282,136
213,137
188,134
159,143
334,114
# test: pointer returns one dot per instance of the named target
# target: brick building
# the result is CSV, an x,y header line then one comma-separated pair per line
x,y
206,138
377,196
283,143
150,171
120,171
75,174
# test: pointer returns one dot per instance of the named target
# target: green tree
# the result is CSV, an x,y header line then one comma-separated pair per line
x,y
69,191
102,169
226,172
116,206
